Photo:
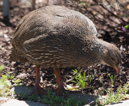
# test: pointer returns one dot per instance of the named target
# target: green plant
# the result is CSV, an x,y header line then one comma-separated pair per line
x,y
58,100
84,3
5,83
33,98
115,4
1,67
17,82
113,97
9,77
53,99
90,78
124,28
112,78
80,79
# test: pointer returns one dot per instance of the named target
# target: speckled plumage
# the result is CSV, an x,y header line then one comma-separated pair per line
x,y
57,37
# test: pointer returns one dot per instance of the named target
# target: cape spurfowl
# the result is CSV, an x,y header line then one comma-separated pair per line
x,y
57,37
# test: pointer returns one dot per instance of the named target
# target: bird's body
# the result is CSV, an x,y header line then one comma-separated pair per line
x,y
57,37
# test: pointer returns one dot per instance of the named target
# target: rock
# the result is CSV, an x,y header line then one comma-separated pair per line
x,y
14,102
22,76
122,103
19,90
3,100
85,98
88,100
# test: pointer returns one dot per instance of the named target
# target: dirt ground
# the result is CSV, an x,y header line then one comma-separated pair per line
x,y
97,73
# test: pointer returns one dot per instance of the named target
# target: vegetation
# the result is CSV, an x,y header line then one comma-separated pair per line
x,y
111,97
1,67
114,97
7,82
52,99
80,79
106,15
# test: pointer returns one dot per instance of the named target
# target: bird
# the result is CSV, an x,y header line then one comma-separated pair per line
x,y
58,37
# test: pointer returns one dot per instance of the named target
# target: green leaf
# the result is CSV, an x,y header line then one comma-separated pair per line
x,y
8,83
84,75
10,77
1,86
126,26
1,67
74,81
114,4
4,76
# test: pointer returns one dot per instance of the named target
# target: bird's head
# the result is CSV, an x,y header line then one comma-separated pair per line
x,y
111,56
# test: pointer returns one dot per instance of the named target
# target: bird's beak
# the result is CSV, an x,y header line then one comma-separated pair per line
x,y
117,70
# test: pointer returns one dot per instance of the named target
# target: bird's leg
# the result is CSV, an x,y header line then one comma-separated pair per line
x,y
37,89
60,89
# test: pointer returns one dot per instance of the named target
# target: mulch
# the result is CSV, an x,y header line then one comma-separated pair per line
x,y
26,71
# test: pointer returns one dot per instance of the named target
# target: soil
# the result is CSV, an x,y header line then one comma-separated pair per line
x,y
97,73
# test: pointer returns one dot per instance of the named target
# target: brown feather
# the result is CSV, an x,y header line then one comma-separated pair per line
x,y
55,36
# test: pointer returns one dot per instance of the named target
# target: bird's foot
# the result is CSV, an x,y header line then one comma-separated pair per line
x,y
38,91
61,91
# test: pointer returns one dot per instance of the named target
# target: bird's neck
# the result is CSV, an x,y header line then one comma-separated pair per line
x,y
103,45
103,48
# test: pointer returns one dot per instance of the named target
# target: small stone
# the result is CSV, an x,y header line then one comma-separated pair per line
x,y
127,7
21,76
3,100
14,102
29,70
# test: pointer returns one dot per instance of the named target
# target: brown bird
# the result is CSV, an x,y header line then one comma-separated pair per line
x,y
57,37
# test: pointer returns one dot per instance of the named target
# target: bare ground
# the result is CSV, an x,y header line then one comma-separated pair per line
x,y
98,73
